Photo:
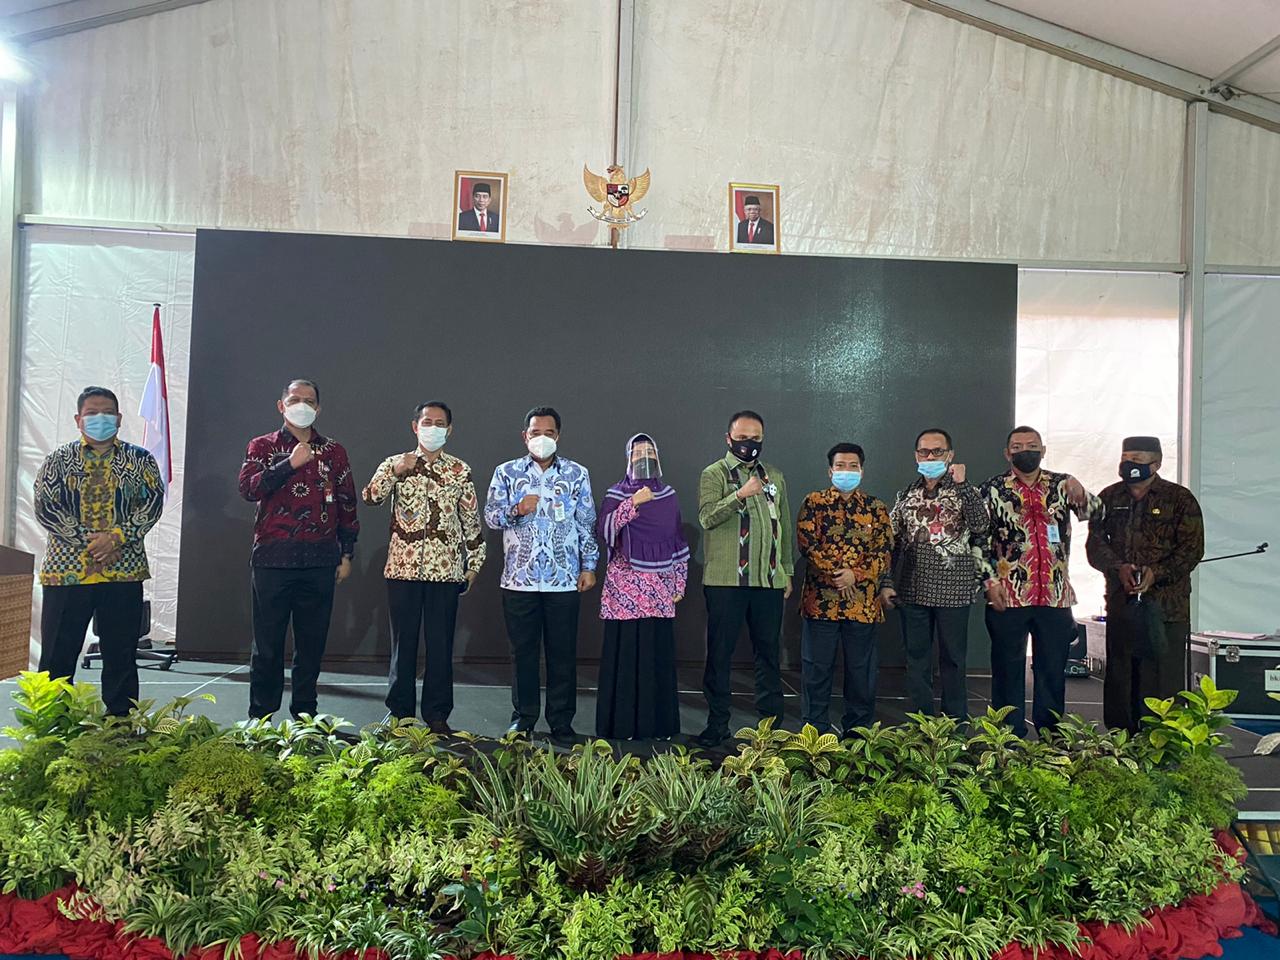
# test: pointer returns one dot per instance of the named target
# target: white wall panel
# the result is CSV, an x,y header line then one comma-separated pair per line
x,y
1240,446
1244,194
892,131
327,115
86,307
1097,362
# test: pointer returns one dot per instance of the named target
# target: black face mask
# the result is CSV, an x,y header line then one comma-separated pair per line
x,y
1131,472
1027,461
748,451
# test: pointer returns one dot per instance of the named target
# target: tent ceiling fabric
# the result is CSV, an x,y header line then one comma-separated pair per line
x,y
1205,38
28,20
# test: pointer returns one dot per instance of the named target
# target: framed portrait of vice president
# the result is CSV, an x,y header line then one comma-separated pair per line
x,y
753,218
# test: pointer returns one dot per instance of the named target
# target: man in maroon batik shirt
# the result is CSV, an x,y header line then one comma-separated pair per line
x,y
303,538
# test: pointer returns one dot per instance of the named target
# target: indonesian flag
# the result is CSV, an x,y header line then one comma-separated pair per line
x,y
154,409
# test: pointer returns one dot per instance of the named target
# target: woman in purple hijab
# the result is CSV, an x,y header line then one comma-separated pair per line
x,y
645,578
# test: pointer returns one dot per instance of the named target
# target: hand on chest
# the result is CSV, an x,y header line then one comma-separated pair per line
x,y
315,475
557,498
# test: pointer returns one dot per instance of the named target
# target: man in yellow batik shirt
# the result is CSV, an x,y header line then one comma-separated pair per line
x,y
97,497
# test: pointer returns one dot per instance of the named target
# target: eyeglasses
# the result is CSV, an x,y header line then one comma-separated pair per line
x,y
932,453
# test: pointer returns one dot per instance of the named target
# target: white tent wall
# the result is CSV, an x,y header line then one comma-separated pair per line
x,y
324,115
893,131
1244,195
1097,362
1240,453
87,306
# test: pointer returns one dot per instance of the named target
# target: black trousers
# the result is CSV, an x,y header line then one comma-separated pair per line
x,y
429,611
302,596
1130,680
64,620
818,644
951,625
1052,629
546,623
727,608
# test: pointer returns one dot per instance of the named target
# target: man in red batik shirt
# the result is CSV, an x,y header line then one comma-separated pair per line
x,y
303,538
1025,570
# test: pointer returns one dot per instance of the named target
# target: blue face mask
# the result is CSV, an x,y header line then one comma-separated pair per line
x,y
100,426
932,469
846,481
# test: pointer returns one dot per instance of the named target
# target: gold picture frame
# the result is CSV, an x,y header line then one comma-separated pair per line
x,y
768,232
465,220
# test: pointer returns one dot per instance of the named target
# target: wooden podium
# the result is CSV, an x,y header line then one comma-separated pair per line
x,y
17,575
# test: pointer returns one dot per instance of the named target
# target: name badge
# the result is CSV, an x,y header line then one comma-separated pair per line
x,y
1055,537
557,511
773,510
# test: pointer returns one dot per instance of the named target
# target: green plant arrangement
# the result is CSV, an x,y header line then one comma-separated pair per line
x,y
925,840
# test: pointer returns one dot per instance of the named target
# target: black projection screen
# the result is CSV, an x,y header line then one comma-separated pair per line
x,y
826,348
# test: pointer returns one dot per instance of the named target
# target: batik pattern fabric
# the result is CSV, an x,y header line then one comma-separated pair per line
x,y
1030,543
740,474
633,594
939,537
838,534
546,550
435,519
1164,531
78,493
306,517
756,530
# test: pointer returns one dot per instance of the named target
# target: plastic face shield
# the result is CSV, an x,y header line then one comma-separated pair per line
x,y
642,459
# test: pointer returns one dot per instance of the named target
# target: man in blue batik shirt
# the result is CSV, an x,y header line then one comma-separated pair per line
x,y
542,504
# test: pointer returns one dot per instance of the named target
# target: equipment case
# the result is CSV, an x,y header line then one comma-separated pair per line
x,y
1248,663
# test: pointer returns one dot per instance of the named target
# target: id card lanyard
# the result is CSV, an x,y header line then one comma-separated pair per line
x,y
326,485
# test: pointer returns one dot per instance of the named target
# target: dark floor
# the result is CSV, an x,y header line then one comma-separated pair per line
x,y
483,704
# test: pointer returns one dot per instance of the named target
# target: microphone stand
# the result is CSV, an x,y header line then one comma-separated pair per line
x,y
1260,548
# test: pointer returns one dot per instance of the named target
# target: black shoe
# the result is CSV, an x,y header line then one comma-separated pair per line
x,y
440,727
520,729
564,737
709,739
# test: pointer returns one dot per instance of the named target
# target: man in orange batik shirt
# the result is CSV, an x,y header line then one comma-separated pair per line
x,y
846,537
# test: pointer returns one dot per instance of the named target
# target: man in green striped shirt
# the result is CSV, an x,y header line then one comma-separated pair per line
x,y
743,507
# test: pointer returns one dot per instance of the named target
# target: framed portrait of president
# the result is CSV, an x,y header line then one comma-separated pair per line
x,y
480,206
753,218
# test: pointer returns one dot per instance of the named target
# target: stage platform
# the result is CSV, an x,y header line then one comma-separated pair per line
x,y
483,705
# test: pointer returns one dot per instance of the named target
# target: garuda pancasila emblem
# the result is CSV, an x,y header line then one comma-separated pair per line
x,y
617,195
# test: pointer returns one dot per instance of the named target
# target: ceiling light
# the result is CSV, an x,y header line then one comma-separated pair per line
x,y
12,66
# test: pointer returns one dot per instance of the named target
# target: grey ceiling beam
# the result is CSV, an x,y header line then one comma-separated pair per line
x,y
1229,75
1070,45
71,16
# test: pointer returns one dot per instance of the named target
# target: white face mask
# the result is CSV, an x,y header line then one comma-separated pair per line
x,y
432,438
300,414
542,448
